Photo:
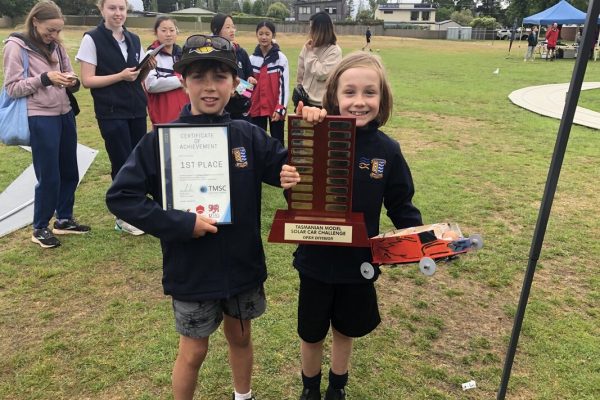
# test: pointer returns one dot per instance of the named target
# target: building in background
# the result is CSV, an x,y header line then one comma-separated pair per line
x,y
406,12
336,9
444,25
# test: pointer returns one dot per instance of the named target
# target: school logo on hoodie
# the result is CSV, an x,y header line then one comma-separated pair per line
x,y
375,165
239,154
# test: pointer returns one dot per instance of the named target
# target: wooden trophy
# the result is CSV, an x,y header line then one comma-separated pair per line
x,y
320,205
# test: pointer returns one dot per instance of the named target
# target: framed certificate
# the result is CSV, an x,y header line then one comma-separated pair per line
x,y
194,161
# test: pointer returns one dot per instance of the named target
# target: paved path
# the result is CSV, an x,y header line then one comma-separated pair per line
x,y
16,201
549,100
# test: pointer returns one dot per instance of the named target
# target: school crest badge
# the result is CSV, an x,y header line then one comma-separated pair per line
x,y
239,155
375,165
364,163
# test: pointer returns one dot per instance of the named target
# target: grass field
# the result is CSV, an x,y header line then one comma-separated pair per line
x,y
89,321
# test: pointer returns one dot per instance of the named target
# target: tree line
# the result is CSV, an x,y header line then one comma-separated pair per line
x,y
482,13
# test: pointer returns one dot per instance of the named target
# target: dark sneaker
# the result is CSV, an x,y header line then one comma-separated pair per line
x,y
251,398
44,238
69,226
335,394
310,394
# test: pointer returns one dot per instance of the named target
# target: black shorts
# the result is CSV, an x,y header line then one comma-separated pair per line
x,y
350,308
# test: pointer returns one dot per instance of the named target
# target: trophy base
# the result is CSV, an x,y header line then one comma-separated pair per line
x,y
345,230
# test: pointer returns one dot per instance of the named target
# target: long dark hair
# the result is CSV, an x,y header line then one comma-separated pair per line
x,y
321,30
266,24
162,18
217,22
43,11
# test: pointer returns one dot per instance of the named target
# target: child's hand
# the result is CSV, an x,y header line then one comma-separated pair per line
x,y
252,80
289,176
152,63
203,226
129,74
149,67
276,117
314,115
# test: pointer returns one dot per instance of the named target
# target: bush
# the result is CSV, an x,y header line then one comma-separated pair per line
x,y
484,22
278,10
443,14
463,17
405,25
370,22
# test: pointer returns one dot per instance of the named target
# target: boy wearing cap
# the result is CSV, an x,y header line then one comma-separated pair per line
x,y
213,274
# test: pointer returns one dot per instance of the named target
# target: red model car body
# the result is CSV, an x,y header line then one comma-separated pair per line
x,y
413,244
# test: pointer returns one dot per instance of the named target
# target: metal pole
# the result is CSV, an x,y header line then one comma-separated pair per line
x,y
551,182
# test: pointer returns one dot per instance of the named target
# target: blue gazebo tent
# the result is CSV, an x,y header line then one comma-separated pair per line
x,y
561,13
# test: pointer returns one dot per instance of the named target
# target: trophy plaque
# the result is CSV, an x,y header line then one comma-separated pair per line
x,y
320,205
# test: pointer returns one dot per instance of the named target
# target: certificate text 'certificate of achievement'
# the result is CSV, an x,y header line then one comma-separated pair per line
x,y
195,169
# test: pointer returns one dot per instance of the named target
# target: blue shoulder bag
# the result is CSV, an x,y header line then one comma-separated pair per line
x,y
14,125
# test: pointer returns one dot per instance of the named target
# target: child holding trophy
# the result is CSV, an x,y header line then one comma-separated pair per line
x,y
213,273
335,288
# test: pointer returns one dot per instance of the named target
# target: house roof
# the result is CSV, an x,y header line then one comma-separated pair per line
x,y
406,7
447,21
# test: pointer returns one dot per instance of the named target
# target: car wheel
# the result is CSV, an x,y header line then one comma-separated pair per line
x,y
427,266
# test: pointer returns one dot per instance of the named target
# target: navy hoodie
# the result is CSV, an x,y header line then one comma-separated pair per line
x,y
381,177
215,266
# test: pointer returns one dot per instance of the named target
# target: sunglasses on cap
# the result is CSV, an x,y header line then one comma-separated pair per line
x,y
216,42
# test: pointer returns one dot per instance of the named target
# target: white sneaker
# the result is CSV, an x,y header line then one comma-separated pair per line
x,y
123,226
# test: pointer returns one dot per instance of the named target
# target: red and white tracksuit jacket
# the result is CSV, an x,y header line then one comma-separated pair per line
x,y
271,91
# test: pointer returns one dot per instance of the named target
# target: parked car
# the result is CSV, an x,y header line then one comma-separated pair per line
x,y
504,33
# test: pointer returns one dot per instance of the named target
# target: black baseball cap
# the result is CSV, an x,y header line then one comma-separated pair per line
x,y
203,47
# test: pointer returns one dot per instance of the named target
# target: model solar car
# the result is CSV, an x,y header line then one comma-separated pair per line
x,y
422,244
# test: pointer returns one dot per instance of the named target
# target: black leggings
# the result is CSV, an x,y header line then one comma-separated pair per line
x,y
275,127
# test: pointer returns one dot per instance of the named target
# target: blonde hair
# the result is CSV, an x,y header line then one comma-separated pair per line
x,y
100,4
43,11
360,59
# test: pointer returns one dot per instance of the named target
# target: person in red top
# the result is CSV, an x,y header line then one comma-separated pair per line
x,y
551,40
271,70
